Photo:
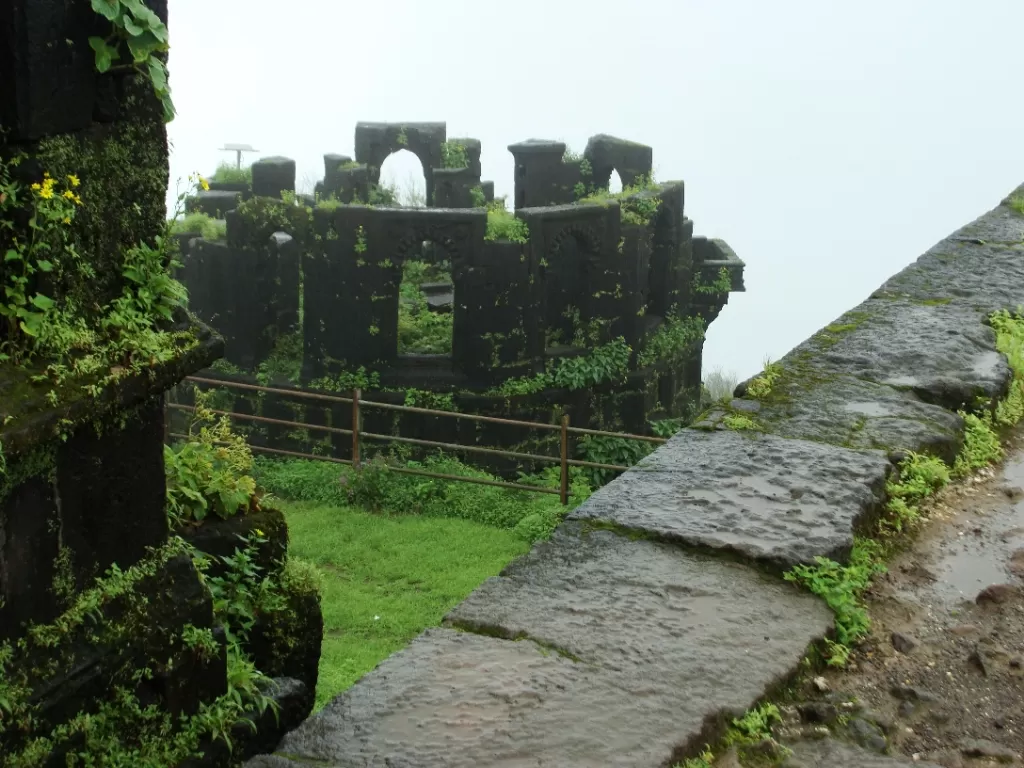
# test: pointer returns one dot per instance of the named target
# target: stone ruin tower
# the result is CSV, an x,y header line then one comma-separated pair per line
x,y
569,270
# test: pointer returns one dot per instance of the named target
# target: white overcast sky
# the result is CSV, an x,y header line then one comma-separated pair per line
x,y
829,143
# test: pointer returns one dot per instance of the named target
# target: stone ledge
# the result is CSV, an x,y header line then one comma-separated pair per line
x,y
763,497
657,645
637,651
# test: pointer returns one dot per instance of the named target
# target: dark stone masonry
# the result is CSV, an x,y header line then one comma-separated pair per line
x,y
573,268
656,612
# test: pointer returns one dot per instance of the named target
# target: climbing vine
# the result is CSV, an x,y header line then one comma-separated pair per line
x,y
134,27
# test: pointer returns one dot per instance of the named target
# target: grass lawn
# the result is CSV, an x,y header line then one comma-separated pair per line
x,y
387,578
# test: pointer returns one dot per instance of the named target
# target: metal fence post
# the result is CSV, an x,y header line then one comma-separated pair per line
x,y
564,491
355,428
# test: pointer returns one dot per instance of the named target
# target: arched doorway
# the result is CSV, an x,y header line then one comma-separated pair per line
x,y
615,183
402,174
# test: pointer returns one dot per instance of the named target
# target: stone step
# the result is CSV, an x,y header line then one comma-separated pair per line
x,y
628,651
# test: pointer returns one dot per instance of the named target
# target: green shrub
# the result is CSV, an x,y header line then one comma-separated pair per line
x,y
199,223
229,174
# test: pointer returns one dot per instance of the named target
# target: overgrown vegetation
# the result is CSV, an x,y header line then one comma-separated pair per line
x,y
605,363
201,224
504,225
47,326
453,154
919,477
136,35
674,340
230,174
210,472
721,284
637,201
760,387
420,330
1017,204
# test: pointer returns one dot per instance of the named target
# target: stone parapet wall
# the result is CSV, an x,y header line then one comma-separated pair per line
x,y
656,612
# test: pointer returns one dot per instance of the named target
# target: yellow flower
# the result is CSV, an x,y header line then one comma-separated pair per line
x,y
67,219
74,180
46,193
204,184
259,532
78,200
69,194
36,187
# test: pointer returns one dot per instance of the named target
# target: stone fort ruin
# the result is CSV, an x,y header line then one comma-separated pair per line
x,y
581,300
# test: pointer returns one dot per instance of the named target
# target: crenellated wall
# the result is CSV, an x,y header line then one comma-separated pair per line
x,y
573,269
657,610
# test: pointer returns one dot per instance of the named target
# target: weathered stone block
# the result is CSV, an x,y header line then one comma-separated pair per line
x,y
272,175
631,651
763,497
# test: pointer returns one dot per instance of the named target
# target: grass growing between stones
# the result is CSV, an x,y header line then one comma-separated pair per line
x,y
397,552
917,480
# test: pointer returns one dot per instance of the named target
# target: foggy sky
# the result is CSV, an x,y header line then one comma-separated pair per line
x,y
829,144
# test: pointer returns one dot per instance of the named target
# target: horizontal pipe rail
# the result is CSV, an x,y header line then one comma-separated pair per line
x,y
403,470
427,411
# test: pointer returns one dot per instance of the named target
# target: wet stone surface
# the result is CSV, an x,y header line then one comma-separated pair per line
x,y
859,414
778,500
629,647
943,353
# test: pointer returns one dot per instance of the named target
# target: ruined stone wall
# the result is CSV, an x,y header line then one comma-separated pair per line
x,y
109,631
657,611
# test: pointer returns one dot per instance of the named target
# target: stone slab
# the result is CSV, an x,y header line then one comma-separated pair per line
x,y
944,353
853,413
630,650
774,499
833,754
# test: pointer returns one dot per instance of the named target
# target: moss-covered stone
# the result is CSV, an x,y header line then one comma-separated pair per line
x,y
124,176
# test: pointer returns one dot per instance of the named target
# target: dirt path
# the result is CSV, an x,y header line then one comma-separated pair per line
x,y
941,680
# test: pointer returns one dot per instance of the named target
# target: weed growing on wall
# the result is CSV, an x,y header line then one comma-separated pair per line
x,y
210,473
503,225
760,387
138,37
229,174
674,340
1017,204
606,363
199,224
61,339
636,202
721,284
453,155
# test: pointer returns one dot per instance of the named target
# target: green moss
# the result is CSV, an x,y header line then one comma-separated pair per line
x,y
123,188
938,302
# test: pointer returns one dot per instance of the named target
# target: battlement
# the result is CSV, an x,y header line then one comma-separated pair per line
x,y
503,295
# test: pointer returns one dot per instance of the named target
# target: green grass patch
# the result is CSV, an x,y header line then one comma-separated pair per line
x,y
387,578
1017,204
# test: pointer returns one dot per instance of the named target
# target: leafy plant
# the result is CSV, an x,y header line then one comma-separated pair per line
x,y
135,27
674,340
201,224
453,155
761,386
502,224
638,206
610,450
230,174
477,196
721,284
421,330
209,472
1017,204
46,249
605,363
